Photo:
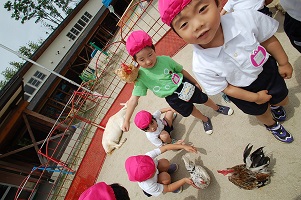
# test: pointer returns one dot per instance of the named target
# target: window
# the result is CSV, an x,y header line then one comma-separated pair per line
x,y
34,82
28,89
71,36
79,26
74,31
39,75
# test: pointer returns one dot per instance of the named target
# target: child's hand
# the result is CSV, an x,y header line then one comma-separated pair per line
x,y
263,97
180,142
125,126
190,148
286,70
190,182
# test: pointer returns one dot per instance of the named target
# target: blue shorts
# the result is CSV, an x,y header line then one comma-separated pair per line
x,y
167,128
292,28
269,79
183,107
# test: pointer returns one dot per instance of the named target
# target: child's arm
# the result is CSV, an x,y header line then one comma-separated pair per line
x,y
273,46
175,185
131,105
191,79
164,110
236,92
168,147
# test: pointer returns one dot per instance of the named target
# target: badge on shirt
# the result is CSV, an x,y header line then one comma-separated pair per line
x,y
258,56
175,77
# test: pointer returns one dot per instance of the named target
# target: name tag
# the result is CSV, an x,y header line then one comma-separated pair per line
x,y
258,56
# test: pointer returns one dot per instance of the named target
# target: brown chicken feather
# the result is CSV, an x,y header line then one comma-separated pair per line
x,y
252,174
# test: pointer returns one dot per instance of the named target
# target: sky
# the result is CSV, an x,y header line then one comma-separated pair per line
x,y
13,34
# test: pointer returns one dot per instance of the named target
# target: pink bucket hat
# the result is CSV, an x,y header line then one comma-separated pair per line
x,y
136,41
143,119
140,168
168,9
98,191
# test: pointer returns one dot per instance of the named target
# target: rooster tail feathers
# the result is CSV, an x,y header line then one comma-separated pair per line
x,y
246,154
255,160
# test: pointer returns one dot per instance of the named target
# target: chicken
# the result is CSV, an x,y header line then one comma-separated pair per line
x,y
198,174
127,73
253,174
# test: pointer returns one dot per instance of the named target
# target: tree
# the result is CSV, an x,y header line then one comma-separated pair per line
x,y
48,13
26,51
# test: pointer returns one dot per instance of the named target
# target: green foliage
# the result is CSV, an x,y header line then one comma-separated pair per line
x,y
14,67
48,13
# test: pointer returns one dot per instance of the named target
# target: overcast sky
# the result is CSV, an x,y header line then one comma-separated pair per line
x,y
13,34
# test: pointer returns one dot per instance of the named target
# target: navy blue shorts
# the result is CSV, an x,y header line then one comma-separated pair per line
x,y
292,28
167,128
269,79
183,107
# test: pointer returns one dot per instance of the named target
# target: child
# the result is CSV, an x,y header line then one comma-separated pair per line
x,y
157,130
232,55
152,175
104,191
260,5
292,21
167,79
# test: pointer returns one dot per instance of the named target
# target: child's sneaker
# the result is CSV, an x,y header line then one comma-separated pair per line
x,y
179,190
278,113
280,133
174,116
208,126
172,168
224,110
173,141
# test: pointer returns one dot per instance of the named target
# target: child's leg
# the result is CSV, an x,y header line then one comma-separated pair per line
x,y
169,117
283,102
165,137
164,178
163,165
197,114
266,118
211,104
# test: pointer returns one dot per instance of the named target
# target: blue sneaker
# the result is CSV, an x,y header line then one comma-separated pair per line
x,y
278,113
280,133
172,168
179,190
208,127
225,110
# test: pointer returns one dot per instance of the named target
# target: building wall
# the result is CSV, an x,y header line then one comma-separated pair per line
x,y
58,48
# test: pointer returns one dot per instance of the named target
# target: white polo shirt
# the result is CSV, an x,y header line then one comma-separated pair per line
x,y
153,137
233,5
292,7
151,186
239,61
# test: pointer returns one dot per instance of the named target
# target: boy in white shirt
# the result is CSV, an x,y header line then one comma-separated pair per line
x,y
157,130
259,5
235,54
292,21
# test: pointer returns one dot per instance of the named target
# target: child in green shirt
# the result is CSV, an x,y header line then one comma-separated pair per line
x,y
166,79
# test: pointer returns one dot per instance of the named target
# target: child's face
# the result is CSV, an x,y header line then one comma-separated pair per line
x,y
199,23
152,127
146,58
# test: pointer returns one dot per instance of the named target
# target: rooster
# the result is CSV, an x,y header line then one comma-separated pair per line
x,y
253,174
198,174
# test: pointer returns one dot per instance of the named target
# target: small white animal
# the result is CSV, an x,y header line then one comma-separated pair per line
x,y
113,132
198,174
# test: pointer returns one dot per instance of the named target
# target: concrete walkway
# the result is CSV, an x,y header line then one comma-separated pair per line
x,y
224,147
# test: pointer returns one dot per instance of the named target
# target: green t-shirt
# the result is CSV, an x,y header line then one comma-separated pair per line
x,y
163,78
